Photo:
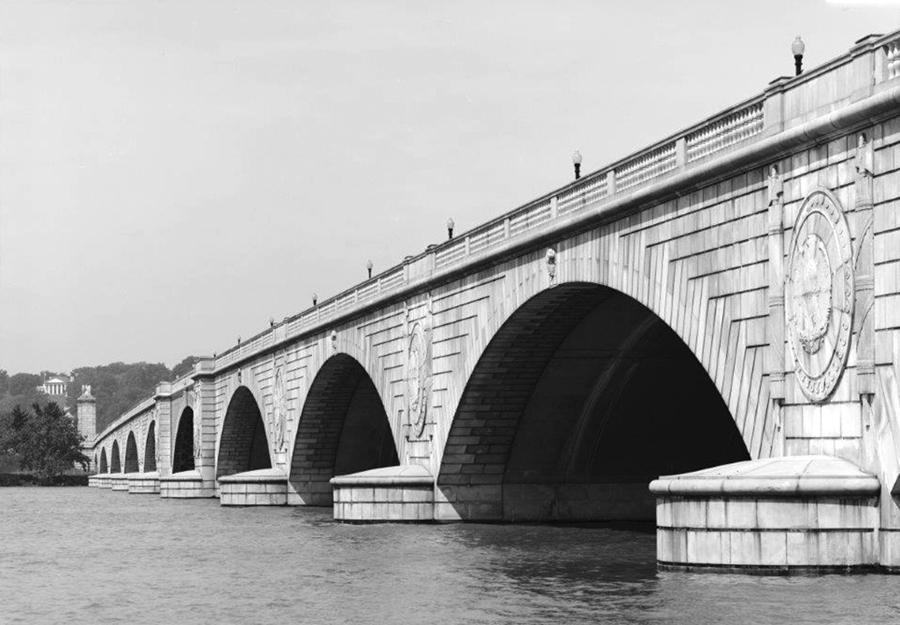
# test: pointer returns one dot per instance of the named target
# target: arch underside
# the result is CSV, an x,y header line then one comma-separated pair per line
x,y
150,449
343,429
131,455
104,466
581,398
183,451
115,465
243,445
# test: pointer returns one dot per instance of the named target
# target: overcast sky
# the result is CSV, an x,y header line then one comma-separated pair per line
x,y
174,173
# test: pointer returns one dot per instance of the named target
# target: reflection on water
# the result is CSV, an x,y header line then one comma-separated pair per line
x,y
94,556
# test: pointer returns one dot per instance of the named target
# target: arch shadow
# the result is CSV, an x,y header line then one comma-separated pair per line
x,y
183,450
150,449
104,468
343,429
115,465
243,444
581,398
131,454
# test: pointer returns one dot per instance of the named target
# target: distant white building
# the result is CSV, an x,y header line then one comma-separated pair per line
x,y
55,386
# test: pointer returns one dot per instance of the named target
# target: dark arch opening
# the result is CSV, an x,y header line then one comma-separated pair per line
x,y
582,398
343,429
115,465
243,445
131,455
150,449
103,466
183,457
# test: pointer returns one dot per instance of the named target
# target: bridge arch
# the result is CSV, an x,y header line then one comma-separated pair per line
x,y
150,449
575,404
243,442
183,450
343,428
115,466
132,465
104,467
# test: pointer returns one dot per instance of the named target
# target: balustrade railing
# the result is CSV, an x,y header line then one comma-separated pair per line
x,y
725,132
529,218
646,166
583,195
485,237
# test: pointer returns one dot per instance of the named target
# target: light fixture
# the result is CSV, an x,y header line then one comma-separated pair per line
x,y
576,160
369,266
450,226
315,298
798,48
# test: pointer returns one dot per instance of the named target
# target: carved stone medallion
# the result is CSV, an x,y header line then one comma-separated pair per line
x,y
416,380
418,368
278,418
198,424
820,294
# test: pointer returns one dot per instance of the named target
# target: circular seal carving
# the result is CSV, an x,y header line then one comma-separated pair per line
x,y
819,294
416,375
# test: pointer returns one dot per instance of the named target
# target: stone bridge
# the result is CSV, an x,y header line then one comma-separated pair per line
x,y
721,309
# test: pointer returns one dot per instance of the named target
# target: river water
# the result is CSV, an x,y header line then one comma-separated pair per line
x,y
85,555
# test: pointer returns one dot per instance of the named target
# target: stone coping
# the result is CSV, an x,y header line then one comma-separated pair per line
x,y
191,475
773,477
259,475
406,475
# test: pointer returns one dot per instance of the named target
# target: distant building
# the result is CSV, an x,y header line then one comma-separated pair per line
x,y
55,386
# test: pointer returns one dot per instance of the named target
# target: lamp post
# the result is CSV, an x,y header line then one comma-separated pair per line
x,y
576,160
369,268
315,298
798,48
450,225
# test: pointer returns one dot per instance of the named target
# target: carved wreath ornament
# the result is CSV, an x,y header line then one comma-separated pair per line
x,y
819,294
416,388
278,416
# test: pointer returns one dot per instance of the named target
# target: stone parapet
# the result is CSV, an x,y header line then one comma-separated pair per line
x,y
782,515
391,494
263,487
143,483
185,485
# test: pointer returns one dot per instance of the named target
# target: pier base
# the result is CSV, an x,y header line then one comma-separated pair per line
x,y
263,487
185,485
143,483
394,494
780,515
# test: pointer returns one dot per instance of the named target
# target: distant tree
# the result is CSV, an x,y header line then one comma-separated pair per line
x,y
24,383
4,382
183,367
48,441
